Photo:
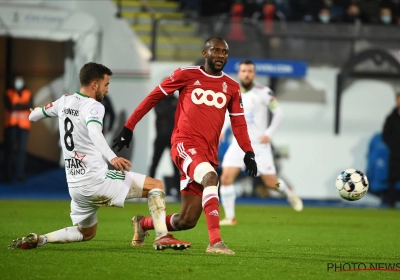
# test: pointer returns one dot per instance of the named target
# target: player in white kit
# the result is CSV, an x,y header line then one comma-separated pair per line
x,y
90,183
256,101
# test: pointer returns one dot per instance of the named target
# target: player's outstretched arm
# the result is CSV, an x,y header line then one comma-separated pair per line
x,y
167,87
123,139
125,136
36,114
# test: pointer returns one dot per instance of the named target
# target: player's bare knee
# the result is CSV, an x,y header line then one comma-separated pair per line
x,y
270,182
205,174
87,235
210,179
269,185
272,186
226,180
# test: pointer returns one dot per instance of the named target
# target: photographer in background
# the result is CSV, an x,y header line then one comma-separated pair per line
x,y
391,136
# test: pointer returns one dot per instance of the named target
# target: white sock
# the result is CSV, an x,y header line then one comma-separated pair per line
x,y
228,197
156,204
283,188
42,240
65,235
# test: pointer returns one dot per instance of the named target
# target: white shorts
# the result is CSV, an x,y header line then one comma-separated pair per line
x,y
86,200
265,163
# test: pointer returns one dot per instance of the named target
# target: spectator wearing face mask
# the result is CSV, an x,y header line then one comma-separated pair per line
x,y
324,15
394,6
17,101
336,9
386,16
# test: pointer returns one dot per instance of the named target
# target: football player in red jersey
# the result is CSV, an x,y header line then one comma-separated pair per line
x,y
205,93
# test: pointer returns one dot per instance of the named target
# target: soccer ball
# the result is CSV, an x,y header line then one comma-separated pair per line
x,y
352,184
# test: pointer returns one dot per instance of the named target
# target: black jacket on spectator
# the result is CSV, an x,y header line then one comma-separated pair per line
x,y
391,136
109,114
305,10
165,115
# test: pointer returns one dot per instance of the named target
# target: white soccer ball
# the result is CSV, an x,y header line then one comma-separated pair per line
x,y
352,184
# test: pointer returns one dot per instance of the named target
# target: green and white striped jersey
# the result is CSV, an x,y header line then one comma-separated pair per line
x,y
84,164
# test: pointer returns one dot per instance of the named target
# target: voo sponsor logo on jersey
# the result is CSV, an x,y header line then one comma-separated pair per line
x,y
208,97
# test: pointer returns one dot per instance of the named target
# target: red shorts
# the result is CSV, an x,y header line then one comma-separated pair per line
x,y
187,155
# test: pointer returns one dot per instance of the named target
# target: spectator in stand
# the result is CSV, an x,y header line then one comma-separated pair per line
x,y
253,9
394,6
370,11
324,15
305,10
386,16
336,9
353,14
211,18
391,136
191,9
219,7
283,9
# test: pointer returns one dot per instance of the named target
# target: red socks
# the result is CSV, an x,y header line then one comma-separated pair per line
x,y
147,223
211,210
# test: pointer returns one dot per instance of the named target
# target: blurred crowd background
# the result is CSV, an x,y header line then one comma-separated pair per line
x,y
324,11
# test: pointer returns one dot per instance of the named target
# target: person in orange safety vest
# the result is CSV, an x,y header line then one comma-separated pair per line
x,y
17,102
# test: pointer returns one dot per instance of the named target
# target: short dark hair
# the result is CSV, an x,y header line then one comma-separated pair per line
x,y
247,62
93,71
213,38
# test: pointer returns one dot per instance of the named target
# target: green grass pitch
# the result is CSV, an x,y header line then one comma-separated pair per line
x,y
271,242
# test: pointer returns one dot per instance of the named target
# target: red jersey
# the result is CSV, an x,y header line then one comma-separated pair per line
x,y
200,113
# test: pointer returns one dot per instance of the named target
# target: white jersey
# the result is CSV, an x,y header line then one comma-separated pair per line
x,y
256,102
255,105
84,164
